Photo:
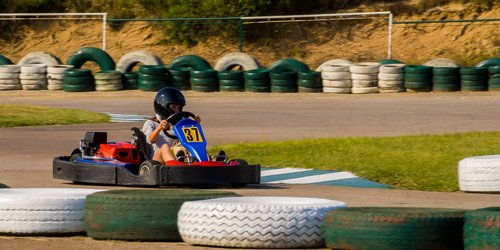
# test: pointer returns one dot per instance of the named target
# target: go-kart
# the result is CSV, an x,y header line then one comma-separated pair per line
x,y
98,161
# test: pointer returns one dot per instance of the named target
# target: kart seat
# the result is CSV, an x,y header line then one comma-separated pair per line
x,y
139,139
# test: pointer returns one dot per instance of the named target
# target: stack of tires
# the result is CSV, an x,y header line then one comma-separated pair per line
x,y
336,79
78,80
231,80
130,80
108,80
55,75
204,80
309,81
494,80
179,78
482,228
418,78
257,80
390,78
152,77
474,78
446,79
33,76
364,77
283,80
9,77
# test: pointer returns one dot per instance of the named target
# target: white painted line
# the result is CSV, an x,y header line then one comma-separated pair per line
x,y
318,178
282,171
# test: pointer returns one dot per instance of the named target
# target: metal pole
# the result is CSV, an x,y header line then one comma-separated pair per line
x,y
389,38
104,19
240,33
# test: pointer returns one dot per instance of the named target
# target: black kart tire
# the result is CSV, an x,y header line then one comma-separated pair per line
x,y
100,57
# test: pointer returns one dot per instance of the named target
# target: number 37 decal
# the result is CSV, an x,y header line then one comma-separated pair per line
x,y
192,134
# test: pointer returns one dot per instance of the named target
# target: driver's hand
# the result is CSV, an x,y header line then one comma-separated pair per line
x,y
197,119
164,124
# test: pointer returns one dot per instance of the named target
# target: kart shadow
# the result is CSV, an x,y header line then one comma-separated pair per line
x,y
249,186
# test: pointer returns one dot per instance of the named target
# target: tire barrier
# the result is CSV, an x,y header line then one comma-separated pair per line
x,y
40,57
232,60
55,75
3,185
336,78
394,228
4,60
283,80
442,62
390,78
289,64
42,211
256,222
446,79
390,61
128,61
9,77
479,174
100,57
78,80
489,62
179,78
231,81
364,77
204,80
417,78
152,77
108,80
190,62
130,80
344,62
309,82
474,79
33,76
494,80
482,229
257,80
145,215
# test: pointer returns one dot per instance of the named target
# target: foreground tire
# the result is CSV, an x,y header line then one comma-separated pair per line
x,y
394,228
145,215
482,229
256,222
479,174
42,211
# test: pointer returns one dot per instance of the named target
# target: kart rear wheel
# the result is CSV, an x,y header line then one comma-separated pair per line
x,y
75,156
147,166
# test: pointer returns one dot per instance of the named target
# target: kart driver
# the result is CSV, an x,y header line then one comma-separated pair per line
x,y
167,102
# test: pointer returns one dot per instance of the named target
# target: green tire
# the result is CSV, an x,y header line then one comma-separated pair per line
x,y
309,83
100,57
256,88
200,88
190,61
477,78
179,72
494,81
283,74
411,77
446,87
78,80
418,85
203,74
130,75
140,215
256,74
230,75
78,88
3,185
494,69
231,83
489,62
283,89
143,76
284,83
390,61
4,60
152,85
442,79
473,71
417,69
130,84
181,79
475,88
231,88
394,228
446,71
258,83
204,82
289,64
72,72
309,75
181,85
310,90
468,83
153,70
482,229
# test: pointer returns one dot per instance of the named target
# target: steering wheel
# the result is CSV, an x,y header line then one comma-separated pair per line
x,y
174,119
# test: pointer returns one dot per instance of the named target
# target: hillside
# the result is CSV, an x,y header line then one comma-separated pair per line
x,y
312,43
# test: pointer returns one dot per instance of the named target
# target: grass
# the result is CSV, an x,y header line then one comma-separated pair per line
x,y
13,115
425,162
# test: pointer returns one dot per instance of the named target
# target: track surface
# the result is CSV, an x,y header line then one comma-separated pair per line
x,y
26,152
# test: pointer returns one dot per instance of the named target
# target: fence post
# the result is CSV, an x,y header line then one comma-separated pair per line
x,y
240,33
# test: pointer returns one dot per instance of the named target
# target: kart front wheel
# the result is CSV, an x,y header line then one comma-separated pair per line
x,y
147,166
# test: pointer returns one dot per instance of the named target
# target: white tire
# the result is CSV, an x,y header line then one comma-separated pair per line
x,y
32,86
229,61
24,76
364,83
255,222
357,76
39,57
55,76
9,76
364,68
113,87
367,90
391,68
335,68
389,84
10,81
54,86
345,62
337,90
58,69
108,82
390,77
129,60
337,83
113,75
34,69
34,82
479,174
54,81
391,90
42,210
442,62
328,75
9,69
10,86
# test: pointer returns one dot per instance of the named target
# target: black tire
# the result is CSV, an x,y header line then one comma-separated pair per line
x,y
96,55
4,60
3,186
289,64
190,61
74,156
480,230
130,75
147,166
417,69
394,228
144,215
77,72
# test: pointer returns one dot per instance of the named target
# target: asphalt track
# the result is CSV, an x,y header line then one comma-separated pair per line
x,y
26,152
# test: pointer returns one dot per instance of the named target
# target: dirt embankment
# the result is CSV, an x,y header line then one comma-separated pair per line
x,y
312,43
